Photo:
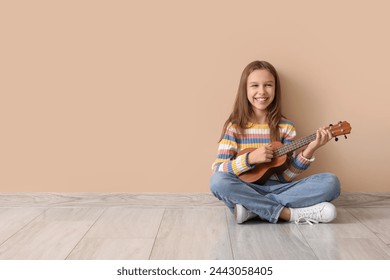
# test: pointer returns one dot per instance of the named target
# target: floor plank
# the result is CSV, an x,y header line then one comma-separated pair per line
x,y
193,233
344,238
344,226
120,233
51,236
140,200
376,219
14,219
349,249
363,199
257,239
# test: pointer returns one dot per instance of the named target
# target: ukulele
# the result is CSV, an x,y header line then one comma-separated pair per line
x,y
263,171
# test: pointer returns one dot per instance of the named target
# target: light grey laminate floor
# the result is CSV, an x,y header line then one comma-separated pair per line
x,y
181,226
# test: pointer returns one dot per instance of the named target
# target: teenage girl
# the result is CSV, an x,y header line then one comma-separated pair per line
x,y
255,122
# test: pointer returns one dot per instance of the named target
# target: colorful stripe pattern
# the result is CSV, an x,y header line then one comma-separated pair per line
x,y
257,135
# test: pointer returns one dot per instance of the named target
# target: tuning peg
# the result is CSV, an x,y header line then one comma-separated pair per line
x,y
336,139
345,136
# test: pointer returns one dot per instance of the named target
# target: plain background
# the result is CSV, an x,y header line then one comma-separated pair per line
x,y
131,96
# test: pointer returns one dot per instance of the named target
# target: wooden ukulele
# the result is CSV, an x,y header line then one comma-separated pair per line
x,y
261,172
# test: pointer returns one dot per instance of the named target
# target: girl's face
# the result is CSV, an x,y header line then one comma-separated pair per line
x,y
260,90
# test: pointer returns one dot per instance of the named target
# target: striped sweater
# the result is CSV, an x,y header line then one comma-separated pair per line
x,y
255,136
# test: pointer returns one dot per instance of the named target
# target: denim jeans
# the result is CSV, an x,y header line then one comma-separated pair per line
x,y
268,200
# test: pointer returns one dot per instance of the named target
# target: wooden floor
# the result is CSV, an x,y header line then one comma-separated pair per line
x,y
181,226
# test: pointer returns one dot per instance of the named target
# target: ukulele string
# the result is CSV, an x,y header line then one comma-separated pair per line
x,y
287,148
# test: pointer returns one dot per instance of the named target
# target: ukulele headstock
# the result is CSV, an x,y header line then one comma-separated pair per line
x,y
341,128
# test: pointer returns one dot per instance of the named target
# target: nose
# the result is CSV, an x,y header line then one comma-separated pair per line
x,y
261,89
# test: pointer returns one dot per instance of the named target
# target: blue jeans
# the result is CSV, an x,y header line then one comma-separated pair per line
x,y
268,200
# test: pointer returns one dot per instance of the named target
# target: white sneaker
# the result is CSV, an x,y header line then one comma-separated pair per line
x,y
242,214
323,212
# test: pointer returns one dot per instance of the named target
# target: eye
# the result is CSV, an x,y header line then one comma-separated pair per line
x,y
253,85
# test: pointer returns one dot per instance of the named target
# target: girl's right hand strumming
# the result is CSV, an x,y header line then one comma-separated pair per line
x,y
261,155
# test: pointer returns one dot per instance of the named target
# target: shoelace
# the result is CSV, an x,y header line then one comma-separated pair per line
x,y
313,216
303,221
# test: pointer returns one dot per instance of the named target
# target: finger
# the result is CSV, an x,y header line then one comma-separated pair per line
x,y
322,133
329,134
269,155
324,138
268,149
325,131
321,137
318,135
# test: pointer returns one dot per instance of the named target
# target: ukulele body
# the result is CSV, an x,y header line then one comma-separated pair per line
x,y
262,171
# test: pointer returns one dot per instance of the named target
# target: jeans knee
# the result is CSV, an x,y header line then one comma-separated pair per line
x,y
333,185
216,182
220,183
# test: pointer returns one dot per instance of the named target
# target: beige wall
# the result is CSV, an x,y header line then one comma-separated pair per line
x,y
131,95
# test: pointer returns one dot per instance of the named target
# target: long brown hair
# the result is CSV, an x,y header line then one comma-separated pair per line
x,y
242,111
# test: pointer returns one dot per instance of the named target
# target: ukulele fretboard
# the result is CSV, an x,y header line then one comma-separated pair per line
x,y
294,145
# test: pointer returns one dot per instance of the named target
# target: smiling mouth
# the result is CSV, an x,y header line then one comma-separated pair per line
x,y
261,99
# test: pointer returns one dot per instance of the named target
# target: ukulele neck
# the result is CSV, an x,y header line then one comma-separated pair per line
x,y
294,145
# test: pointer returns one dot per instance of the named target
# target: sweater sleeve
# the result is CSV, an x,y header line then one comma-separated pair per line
x,y
227,159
